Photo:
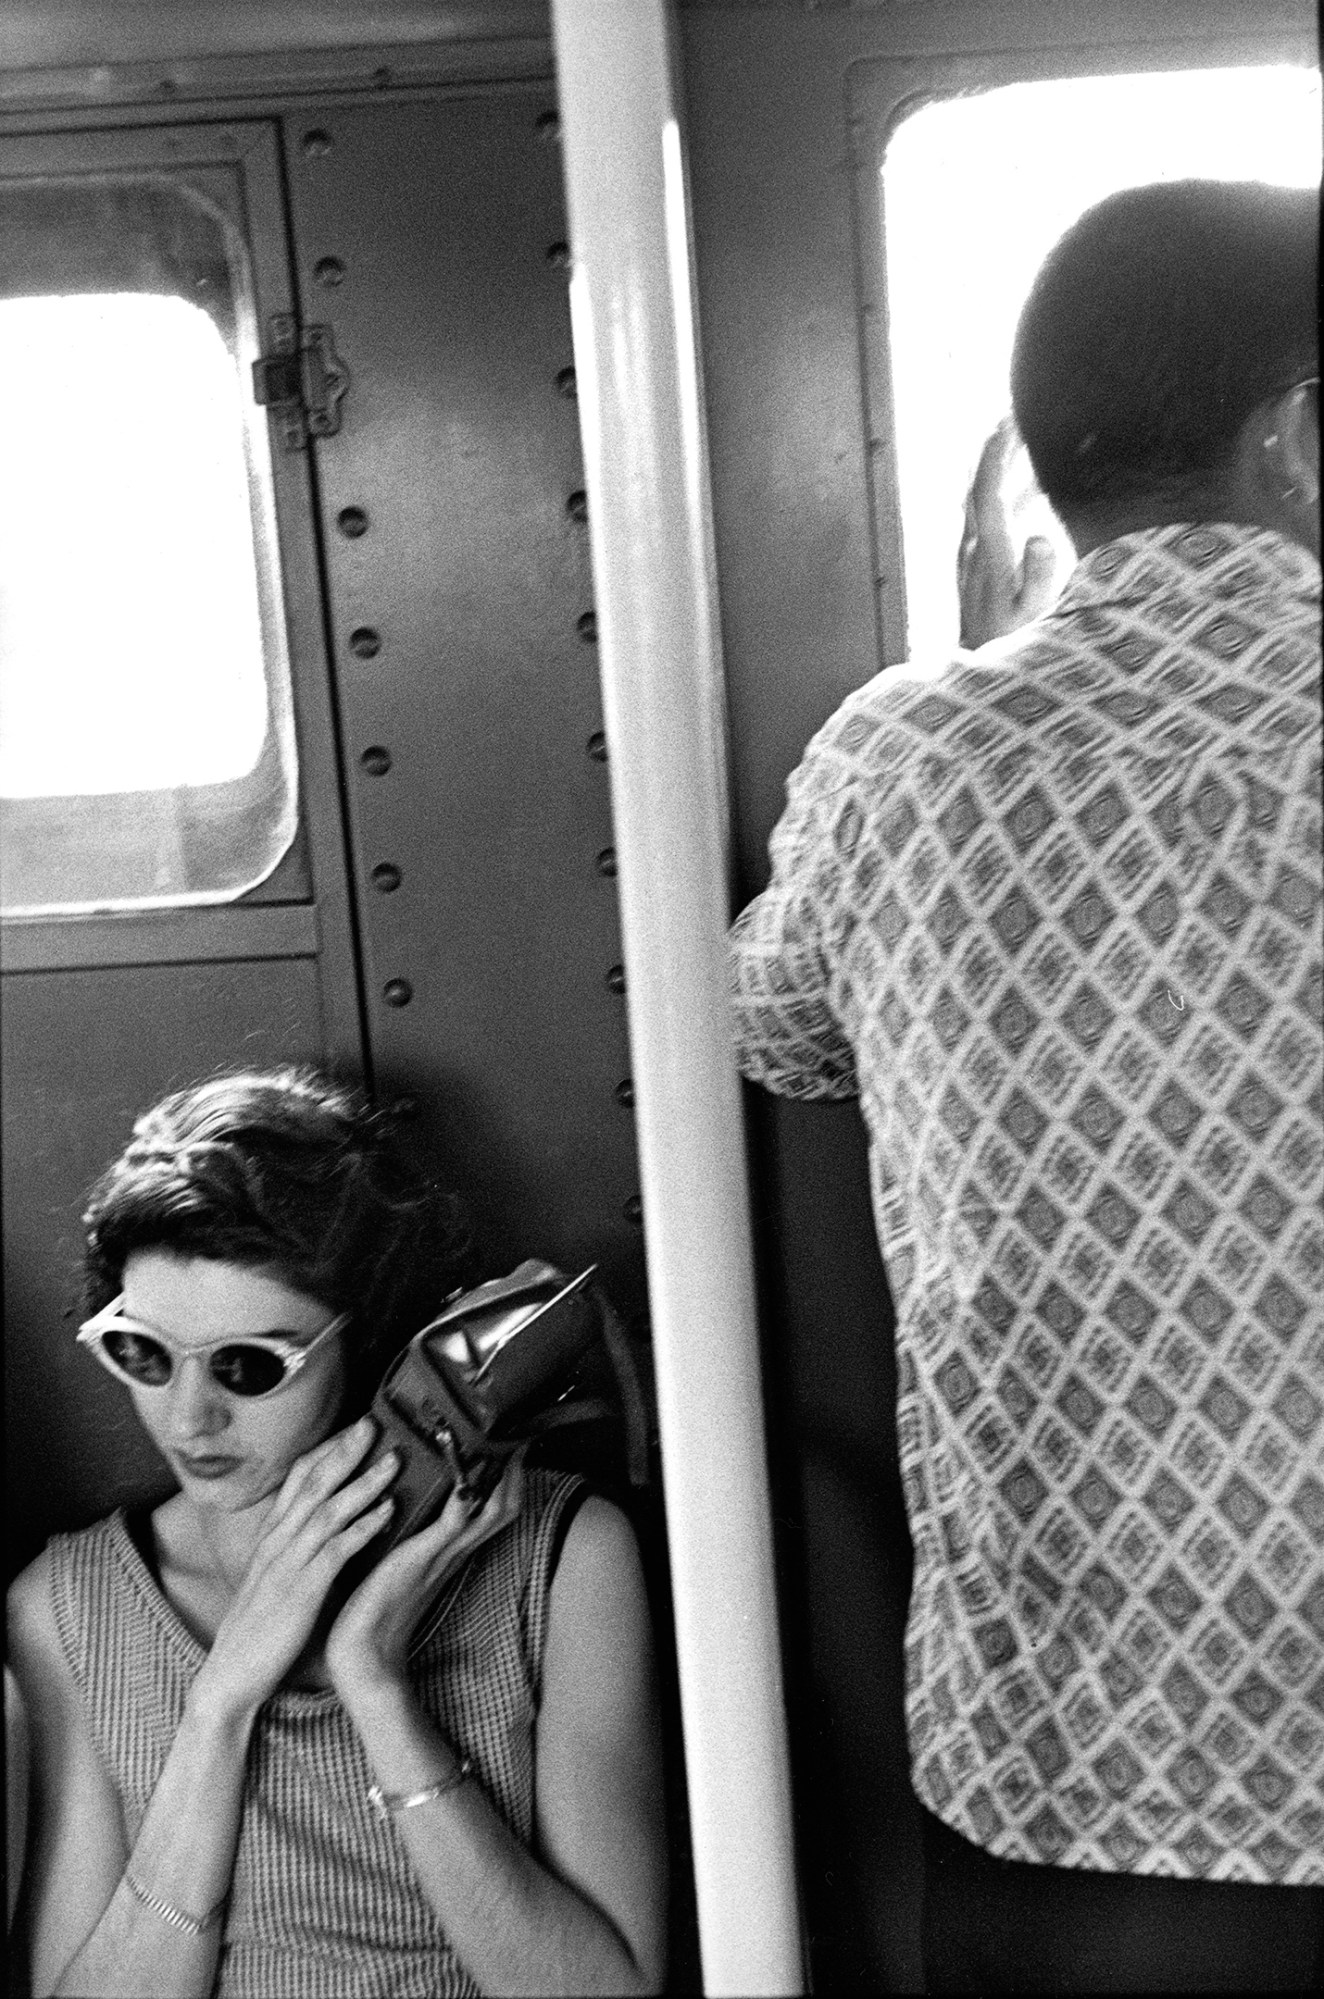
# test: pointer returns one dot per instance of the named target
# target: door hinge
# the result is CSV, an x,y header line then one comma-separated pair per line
x,y
302,380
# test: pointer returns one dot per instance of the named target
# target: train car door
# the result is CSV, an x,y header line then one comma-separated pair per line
x,y
175,888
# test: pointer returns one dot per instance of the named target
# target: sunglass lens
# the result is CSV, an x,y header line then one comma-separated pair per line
x,y
143,1359
247,1370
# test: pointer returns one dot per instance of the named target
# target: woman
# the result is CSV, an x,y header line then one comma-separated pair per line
x,y
241,1788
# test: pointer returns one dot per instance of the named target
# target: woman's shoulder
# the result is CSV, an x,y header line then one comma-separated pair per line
x,y
35,1648
30,1591
506,1584
82,1549
29,1596
72,1565
599,1547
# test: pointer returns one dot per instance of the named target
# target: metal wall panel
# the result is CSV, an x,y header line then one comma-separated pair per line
x,y
428,234
84,1052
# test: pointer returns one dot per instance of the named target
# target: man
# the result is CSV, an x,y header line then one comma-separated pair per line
x,y
1053,913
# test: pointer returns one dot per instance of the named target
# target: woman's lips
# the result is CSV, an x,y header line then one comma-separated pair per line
x,y
207,1465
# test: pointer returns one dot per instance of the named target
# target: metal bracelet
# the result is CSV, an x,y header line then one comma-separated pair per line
x,y
178,1919
387,1803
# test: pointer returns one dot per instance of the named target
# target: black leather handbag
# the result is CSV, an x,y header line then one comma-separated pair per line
x,y
498,1367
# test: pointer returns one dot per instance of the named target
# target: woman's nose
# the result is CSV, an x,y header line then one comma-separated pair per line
x,y
199,1407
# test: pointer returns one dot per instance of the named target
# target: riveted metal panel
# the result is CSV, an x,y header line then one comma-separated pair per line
x,y
431,235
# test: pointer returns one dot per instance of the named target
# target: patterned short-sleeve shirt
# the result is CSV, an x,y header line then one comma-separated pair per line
x,y
1054,912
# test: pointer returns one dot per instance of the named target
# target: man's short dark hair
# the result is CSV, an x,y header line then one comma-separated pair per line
x,y
1160,321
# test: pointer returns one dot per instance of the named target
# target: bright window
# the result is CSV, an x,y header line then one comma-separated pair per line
x,y
146,745
976,190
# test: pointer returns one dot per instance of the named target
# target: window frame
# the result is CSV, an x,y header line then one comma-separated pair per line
x,y
302,908
269,788
882,92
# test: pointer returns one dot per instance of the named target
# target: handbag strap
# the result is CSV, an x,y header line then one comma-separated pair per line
x,y
626,1370
587,1409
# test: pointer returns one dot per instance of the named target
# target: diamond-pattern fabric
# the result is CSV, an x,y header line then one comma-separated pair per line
x,y
1054,911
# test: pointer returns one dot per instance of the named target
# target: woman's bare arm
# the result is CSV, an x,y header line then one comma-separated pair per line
x,y
586,1913
18,1781
601,1823
88,1933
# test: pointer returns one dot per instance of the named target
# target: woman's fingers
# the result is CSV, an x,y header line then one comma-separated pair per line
x,y
343,1508
336,1550
313,1477
371,1635
458,1530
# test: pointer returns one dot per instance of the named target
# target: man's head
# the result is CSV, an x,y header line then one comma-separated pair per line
x,y
1161,357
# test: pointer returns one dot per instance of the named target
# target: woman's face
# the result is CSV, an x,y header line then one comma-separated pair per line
x,y
230,1451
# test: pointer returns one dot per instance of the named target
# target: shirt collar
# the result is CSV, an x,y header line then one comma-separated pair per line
x,y
1210,559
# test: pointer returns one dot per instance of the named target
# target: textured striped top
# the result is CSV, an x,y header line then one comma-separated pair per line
x,y
1053,910
324,1904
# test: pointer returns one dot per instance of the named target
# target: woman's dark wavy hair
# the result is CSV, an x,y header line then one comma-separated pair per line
x,y
288,1171
1162,319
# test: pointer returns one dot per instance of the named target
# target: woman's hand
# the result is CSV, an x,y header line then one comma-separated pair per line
x,y
369,1640
320,1517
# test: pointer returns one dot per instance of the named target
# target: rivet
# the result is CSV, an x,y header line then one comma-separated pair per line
x,y
381,77
329,271
376,761
397,992
365,642
558,256
548,125
386,876
597,746
167,87
633,1209
577,505
316,143
624,1093
606,861
352,521
615,979
587,627
565,384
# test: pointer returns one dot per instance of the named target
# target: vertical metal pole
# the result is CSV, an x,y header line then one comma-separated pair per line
x,y
651,540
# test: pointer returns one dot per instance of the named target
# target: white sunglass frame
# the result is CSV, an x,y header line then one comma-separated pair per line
x,y
92,1331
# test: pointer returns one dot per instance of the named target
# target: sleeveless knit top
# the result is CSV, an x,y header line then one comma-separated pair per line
x,y
323,1904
